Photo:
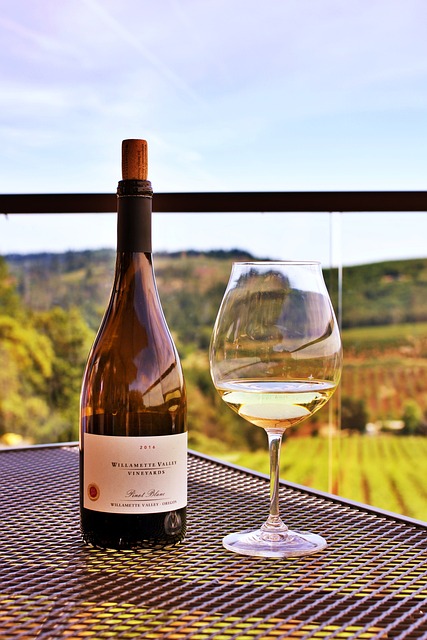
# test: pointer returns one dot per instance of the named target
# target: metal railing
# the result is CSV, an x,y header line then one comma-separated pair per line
x,y
226,202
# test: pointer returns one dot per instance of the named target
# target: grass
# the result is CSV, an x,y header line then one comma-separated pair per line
x,y
384,471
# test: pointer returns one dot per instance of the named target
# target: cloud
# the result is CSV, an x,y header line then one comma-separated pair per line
x,y
297,93
134,43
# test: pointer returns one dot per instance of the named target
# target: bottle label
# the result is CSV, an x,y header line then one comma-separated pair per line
x,y
135,474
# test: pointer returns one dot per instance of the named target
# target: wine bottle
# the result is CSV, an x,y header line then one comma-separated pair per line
x,y
133,435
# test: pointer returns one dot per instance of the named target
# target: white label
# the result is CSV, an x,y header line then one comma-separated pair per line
x,y
135,474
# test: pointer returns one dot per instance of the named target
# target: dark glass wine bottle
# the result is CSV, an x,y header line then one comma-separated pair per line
x,y
133,435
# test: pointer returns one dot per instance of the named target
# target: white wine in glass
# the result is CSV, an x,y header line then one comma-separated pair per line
x,y
275,359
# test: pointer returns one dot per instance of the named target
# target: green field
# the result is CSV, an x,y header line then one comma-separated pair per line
x,y
384,471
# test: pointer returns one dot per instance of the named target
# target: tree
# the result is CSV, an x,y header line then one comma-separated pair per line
x,y
26,365
10,303
42,358
70,339
412,418
354,414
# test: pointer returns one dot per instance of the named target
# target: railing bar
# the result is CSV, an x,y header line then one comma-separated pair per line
x,y
217,202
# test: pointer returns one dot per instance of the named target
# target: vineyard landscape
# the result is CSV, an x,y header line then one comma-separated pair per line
x,y
368,445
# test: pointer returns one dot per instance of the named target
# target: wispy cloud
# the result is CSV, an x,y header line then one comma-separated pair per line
x,y
135,43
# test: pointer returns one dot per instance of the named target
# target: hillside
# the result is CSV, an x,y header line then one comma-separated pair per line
x,y
375,294
384,293
52,304
186,283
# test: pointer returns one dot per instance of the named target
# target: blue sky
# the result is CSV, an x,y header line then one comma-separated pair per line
x,y
232,95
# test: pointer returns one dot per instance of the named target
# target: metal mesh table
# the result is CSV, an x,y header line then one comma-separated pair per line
x,y
370,582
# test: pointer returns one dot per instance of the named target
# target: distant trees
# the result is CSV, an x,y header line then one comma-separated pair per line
x,y
413,418
42,356
26,364
10,302
70,340
354,414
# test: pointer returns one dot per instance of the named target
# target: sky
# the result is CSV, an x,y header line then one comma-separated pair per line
x,y
231,95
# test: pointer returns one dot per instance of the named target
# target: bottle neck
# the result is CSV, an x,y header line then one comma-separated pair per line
x,y
134,279
134,204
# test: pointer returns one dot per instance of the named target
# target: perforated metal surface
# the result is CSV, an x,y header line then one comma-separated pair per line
x,y
370,582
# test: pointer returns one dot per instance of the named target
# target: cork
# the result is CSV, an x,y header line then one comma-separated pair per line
x,y
134,160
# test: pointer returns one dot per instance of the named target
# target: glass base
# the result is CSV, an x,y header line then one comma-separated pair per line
x,y
291,544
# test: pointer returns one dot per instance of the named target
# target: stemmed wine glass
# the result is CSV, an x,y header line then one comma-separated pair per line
x,y
275,358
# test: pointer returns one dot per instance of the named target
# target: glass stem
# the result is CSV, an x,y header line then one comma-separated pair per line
x,y
274,529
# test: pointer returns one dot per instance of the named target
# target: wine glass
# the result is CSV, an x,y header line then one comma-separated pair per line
x,y
275,358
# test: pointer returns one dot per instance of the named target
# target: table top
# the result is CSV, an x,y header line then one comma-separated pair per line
x,y
370,582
